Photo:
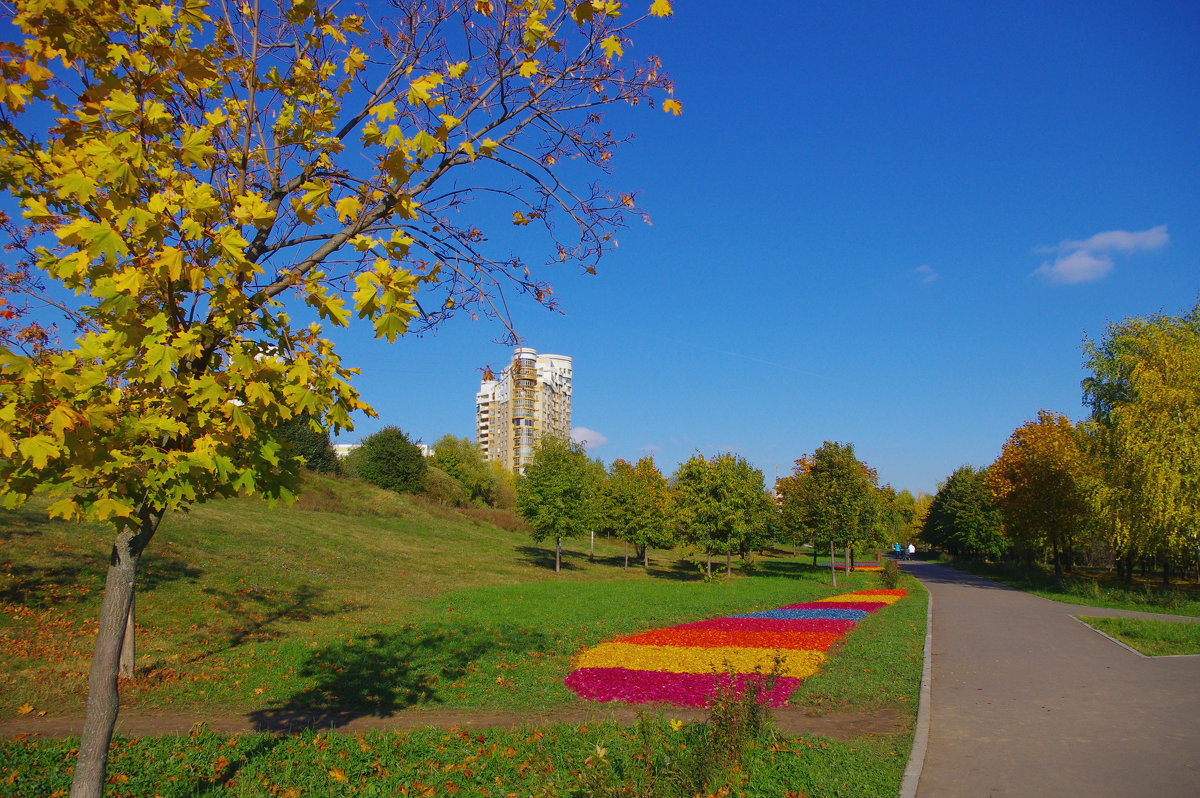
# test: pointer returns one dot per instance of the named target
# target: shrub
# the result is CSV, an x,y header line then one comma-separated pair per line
x,y
391,461
890,574
444,489
302,438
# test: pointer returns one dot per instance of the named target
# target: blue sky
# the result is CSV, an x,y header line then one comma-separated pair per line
x,y
877,223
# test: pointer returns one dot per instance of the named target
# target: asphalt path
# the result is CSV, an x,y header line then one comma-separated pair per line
x,y
1028,701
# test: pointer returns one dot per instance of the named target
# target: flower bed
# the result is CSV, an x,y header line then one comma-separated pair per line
x,y
685,664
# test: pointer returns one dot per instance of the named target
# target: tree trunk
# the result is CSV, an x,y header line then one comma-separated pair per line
x,y
728,556
849,560
1166,572
558,555
592,553
646,557
627,555
832,564
814,548
709,553
1058,569
103,698
129,644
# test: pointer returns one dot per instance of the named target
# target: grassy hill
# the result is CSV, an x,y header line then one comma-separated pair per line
x,y
357,602
353,600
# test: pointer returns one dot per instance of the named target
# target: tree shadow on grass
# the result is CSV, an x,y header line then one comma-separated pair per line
x,y
62,578
544,558
262,612
793,568
384,672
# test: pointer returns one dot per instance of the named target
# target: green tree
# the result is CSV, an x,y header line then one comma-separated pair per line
x,y
389,460
304,438
1040,484
831,498
636,503
1144,436
963,518
462,459
200,185
721,506
557,495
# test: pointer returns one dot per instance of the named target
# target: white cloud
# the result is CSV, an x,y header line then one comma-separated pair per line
x,y
588,437
1078,267
1120,241
925,273
1090,259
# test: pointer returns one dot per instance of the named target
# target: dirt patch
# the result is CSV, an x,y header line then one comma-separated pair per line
x,y
794,722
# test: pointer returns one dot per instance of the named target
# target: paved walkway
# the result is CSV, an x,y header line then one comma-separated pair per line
x,y
1027,701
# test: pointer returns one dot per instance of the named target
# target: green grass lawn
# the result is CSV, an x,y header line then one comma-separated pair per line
x,y
1151,637
361,602
1090,587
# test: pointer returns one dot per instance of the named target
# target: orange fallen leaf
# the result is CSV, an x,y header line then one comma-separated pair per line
x,y
25,708
337,774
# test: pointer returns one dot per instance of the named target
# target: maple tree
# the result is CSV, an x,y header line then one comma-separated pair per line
x,y
558,495
1040,485
1144,436
721,506
830,499
636,506
203,185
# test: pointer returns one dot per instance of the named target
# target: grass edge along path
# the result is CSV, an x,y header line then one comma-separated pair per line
x,y
1086,589
1152,638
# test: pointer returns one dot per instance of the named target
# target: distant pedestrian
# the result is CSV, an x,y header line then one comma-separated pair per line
x,y
911,551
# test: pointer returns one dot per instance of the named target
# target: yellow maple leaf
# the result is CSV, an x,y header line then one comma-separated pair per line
x,y
337,774
612,46
458,70
25,708
529,68
672,106
661,8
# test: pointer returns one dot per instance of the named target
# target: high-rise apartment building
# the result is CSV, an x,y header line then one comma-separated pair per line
x,y
529,399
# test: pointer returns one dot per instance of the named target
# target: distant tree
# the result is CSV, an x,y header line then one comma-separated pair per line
x,y
963,518
303,437
557,493
1144,436
462,460
831,496
636,503
896,512
721,506
1040,484
389,460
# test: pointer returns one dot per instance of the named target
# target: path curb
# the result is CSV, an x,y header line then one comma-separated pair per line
x,y
916,759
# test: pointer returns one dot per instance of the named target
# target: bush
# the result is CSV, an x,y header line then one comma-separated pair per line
x,y
389,460
302,440
444,489
890,574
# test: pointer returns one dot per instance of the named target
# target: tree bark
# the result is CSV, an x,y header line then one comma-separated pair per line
x,y
129,644
592,553
558,555
849,560
728,556
627,555
709,563
103,698
646,557
832,564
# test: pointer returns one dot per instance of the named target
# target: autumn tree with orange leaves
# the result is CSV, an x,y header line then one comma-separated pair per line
x,y
1040,484
205,185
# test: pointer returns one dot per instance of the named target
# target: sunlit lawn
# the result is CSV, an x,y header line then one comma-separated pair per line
x,y
1151,637
358,603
